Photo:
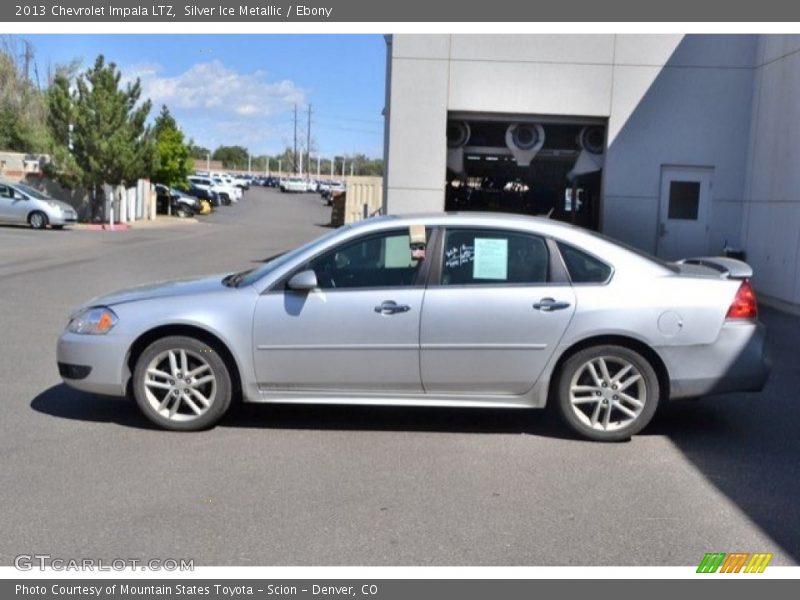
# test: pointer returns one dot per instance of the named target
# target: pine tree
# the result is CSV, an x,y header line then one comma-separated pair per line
x,y
109,142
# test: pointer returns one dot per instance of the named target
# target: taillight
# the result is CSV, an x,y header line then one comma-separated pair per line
x,y
744,304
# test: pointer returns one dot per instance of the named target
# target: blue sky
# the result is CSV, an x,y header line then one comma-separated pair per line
x,y
241,89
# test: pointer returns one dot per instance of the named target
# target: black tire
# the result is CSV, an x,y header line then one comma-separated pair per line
x,y
37,220
604,419
218,394
183,212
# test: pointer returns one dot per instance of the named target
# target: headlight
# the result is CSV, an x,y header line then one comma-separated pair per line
x,y
55,205
93,321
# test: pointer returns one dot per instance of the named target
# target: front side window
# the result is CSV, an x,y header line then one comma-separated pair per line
x,y
376,261
485,257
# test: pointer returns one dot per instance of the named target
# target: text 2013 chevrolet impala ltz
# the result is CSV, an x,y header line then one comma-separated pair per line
x,y
468,310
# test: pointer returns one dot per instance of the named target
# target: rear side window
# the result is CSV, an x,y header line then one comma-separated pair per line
x,y
582,267
491,257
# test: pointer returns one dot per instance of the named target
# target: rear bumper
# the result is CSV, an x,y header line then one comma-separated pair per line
x,y
737,361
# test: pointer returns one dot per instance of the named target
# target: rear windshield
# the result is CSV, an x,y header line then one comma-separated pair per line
x,y
638,252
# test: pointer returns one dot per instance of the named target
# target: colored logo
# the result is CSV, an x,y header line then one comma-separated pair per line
x,y
736,562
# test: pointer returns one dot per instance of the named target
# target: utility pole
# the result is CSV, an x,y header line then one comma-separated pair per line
x,y
294,157
249,164
318,165
280,171
343,163
308,142
333,160
27,57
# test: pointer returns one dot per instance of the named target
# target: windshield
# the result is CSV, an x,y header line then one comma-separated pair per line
x,y
252,275
33,193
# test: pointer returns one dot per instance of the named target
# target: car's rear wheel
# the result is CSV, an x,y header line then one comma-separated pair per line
x,y
607,393
183,212
37,220
182,383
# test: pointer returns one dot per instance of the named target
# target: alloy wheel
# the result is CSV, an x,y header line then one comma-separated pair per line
x,y
607,393
180,385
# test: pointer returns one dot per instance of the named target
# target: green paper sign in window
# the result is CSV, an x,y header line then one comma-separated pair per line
x,y
491,259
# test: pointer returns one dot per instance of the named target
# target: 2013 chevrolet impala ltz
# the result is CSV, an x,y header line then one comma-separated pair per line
x,y
469,310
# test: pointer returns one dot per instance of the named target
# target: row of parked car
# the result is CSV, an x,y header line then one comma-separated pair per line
x,y
326,189
21,203
205,192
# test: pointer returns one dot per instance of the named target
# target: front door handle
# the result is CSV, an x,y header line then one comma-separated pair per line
x,y
390,307
549,304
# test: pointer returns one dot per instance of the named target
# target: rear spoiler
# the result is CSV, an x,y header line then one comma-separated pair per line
x,y
728,268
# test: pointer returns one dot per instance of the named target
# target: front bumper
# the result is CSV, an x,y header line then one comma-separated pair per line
x,y
103,355
738,361
62,218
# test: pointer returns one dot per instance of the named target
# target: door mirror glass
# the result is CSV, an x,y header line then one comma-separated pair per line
x,y
304,281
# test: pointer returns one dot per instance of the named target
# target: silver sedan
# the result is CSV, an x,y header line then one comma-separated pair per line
x,y
20,203
471,310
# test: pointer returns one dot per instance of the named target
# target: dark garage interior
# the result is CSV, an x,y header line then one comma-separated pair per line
x,y
530,165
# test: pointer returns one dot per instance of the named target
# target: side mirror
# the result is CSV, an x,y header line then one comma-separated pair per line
x,y
304,281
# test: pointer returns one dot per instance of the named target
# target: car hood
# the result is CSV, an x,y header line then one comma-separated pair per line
x,y
165,289
62,205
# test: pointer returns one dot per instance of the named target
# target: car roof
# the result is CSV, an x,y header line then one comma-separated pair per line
x,y
476,218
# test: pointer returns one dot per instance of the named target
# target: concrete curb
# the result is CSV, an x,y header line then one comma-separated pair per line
x,y
159,222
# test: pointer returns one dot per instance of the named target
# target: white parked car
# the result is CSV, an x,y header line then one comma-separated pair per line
x,y
20,203
294,184
227,185
206,183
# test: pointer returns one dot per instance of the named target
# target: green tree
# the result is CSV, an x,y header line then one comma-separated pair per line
x,y
60,121
23,106
108,141
198,152
172,162
232,157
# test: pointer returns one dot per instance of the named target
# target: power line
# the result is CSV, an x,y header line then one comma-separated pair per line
x,y
308,142
350,129
356,119
294,156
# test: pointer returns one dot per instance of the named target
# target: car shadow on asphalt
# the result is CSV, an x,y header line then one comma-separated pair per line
x,y
67,403
748,445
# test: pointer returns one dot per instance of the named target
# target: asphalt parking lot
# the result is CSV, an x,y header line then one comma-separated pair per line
x,y
86,476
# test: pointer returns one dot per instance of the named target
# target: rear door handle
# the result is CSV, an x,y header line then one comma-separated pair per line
x,y
549,304
390,307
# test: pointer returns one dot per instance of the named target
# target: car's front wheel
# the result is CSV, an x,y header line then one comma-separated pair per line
x,y
37,220
607,393
182,383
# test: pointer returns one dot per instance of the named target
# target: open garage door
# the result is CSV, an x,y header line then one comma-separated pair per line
x,y
526,164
